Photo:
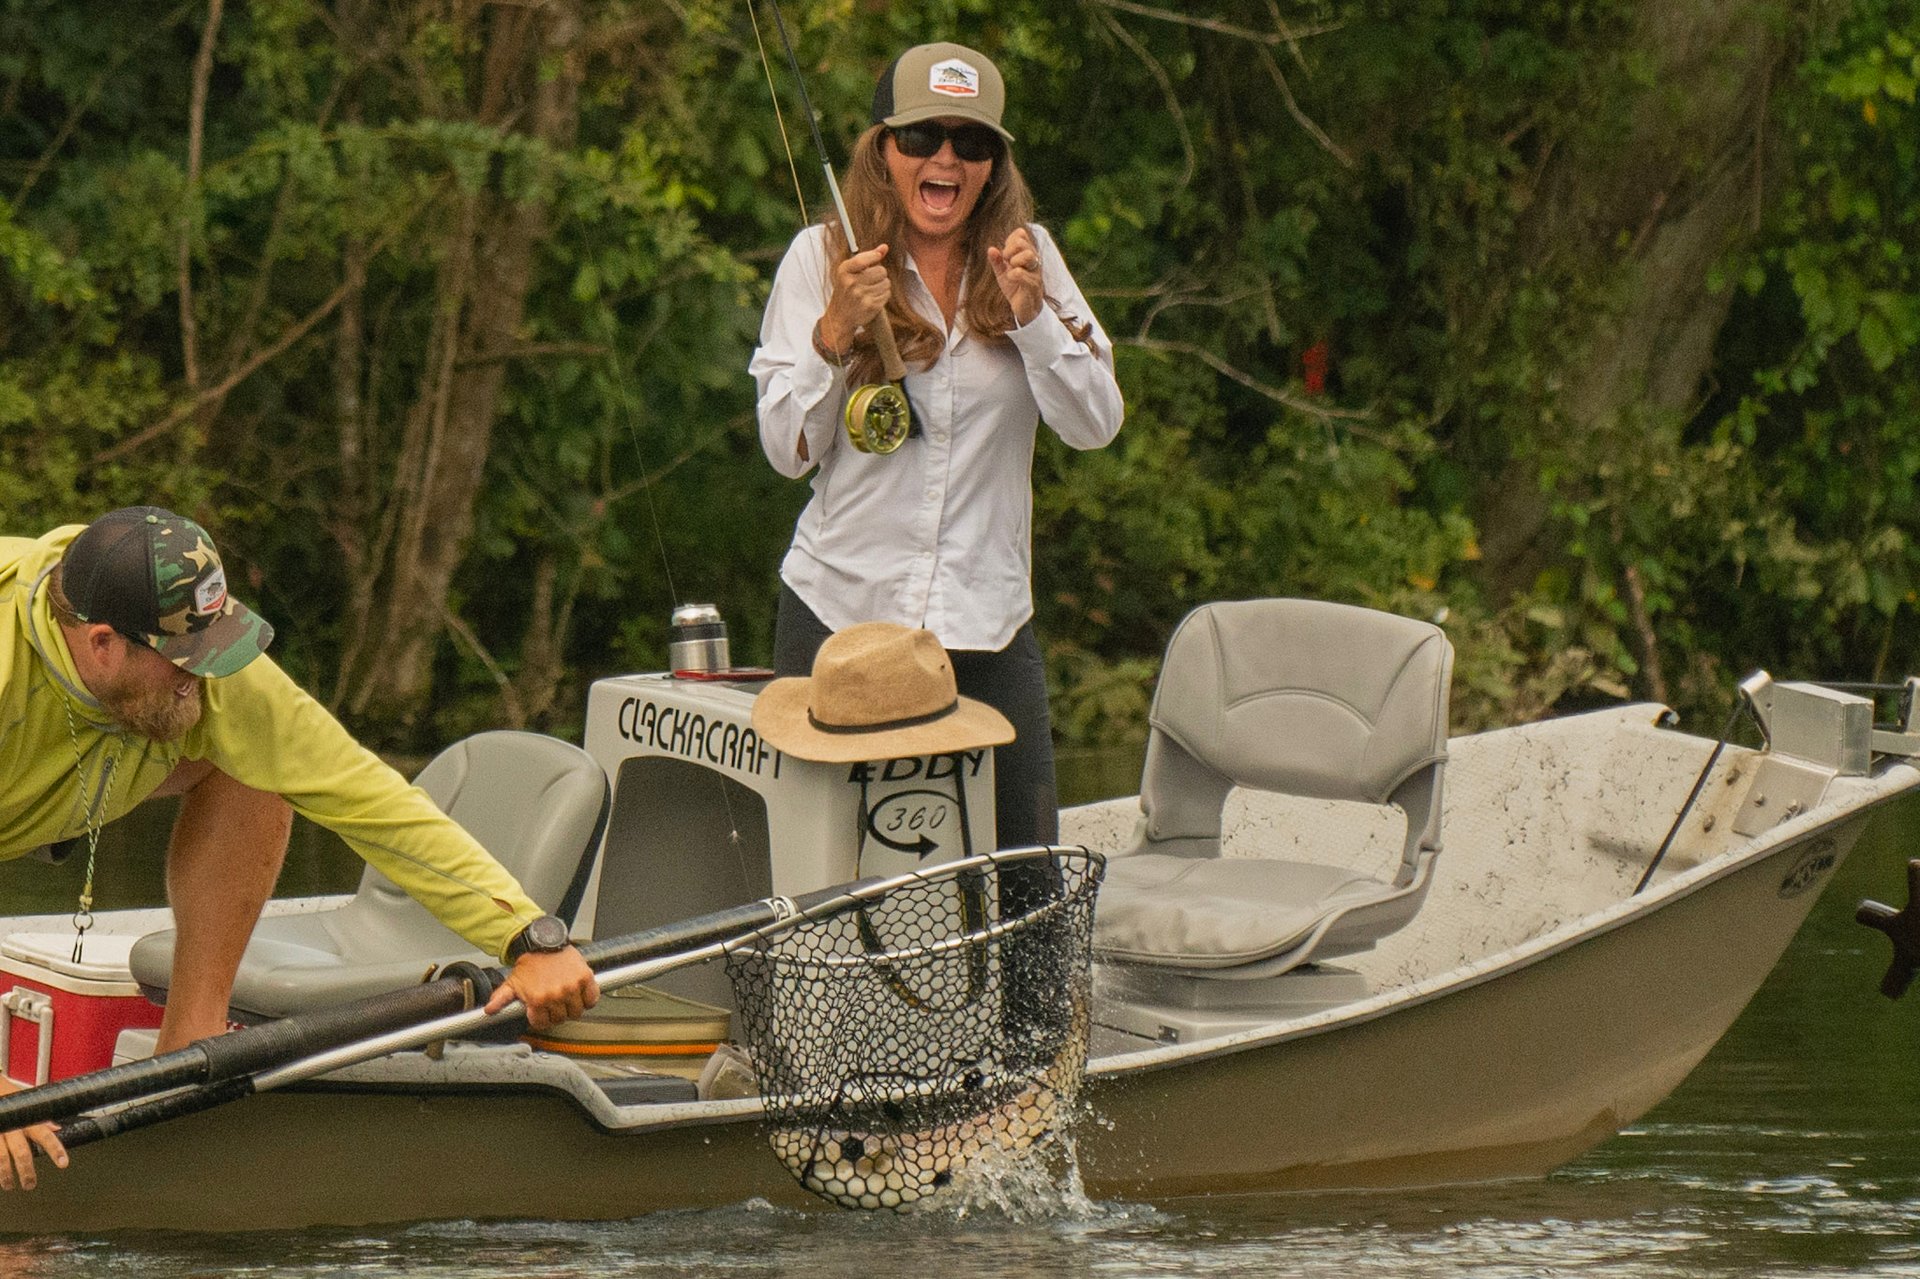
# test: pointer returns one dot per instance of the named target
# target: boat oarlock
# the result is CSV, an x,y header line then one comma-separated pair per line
x,y
879,416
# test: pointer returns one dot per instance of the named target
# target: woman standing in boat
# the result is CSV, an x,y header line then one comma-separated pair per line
x,y
995,336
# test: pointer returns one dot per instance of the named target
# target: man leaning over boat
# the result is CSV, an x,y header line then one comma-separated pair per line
x,y
128,673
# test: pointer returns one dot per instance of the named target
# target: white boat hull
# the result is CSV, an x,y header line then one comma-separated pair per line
x,y
1535,1009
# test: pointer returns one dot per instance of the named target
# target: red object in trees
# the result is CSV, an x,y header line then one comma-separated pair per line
x,y
1313,365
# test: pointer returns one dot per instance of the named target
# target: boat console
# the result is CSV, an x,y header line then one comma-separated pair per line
x,y
707,815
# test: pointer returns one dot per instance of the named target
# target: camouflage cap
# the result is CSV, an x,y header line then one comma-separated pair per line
x,y
156,578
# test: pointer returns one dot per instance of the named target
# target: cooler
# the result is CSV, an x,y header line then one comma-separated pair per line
x,y
59,1017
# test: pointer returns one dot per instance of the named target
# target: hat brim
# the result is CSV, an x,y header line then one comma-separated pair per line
x,y
940,111
219,649
780,717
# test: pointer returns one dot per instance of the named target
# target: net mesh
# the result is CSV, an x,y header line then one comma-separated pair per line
x,y
898,1042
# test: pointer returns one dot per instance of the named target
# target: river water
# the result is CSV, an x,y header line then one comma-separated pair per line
x,y
1794,1150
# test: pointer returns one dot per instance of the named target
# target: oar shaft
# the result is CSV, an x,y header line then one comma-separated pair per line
x,y
618,962
173,1105
228,1056
367,1028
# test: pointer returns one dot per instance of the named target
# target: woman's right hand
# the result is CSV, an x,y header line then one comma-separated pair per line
x,y
860,292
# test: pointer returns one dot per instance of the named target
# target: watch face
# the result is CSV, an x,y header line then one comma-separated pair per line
x,y
546,934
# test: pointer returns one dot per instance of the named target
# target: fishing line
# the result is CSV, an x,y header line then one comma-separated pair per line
x,y
779,116
653,520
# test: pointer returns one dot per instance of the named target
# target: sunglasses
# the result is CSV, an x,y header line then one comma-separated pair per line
x,y
971,142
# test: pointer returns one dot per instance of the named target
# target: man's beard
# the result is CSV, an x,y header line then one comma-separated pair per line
x,y
156,713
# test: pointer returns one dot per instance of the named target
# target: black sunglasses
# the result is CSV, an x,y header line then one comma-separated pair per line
x,y
971,142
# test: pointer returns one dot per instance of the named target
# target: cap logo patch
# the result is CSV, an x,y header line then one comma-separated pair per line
x,y
954,78
210,592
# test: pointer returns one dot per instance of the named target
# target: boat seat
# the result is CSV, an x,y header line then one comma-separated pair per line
x,y
536,803
1301,697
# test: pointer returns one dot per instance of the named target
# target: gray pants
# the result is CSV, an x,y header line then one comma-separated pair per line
x,y
1013,681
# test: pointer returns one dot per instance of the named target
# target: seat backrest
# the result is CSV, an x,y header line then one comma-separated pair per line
x,y
1303,697
538,804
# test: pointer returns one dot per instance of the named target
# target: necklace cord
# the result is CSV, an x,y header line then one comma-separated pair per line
x,y
92,815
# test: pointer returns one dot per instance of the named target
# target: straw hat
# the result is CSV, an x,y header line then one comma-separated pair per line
x,y
878,691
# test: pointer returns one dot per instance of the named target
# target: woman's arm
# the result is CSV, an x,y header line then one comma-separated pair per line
x,y
801,392
1072,378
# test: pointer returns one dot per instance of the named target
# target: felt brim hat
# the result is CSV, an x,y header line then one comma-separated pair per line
x,y
932,81
156,578
878,691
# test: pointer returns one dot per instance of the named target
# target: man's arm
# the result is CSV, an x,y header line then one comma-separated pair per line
x,y
264,731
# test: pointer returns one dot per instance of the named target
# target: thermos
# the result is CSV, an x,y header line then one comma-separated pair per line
x,y
698,640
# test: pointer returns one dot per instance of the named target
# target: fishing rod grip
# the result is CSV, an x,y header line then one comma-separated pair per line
x,y
891,365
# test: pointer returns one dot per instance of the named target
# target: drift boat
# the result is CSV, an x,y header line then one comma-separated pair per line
x,y
1301,930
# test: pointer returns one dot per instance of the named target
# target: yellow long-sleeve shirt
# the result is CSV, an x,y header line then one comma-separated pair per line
x,y
258,727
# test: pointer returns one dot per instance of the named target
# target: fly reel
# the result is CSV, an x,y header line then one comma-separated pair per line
x,y
878,418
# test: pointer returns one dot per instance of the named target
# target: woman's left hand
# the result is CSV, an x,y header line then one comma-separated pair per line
x,y
1016,265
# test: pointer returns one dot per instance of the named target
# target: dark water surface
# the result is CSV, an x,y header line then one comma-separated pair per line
x,y
1794,1150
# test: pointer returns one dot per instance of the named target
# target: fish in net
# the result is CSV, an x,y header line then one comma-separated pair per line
x,y
903,1040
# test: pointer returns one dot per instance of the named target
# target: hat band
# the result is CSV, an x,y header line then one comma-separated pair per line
x,y
885,725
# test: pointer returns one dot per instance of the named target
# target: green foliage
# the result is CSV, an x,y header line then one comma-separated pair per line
x,y
1826,429
1387,185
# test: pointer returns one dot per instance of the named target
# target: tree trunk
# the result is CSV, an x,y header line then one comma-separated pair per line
x,y
486,271
1677,194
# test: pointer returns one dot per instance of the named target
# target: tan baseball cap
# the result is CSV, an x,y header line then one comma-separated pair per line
x,y
930,81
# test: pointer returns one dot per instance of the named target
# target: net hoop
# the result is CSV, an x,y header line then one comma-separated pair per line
x,y
909,1035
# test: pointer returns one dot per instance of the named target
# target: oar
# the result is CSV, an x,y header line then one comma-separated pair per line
x,y
371,1027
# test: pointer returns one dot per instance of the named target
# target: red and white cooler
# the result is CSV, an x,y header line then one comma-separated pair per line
x,y
59,1017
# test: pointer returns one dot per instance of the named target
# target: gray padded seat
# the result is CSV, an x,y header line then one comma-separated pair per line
x,y
1302,697
536,803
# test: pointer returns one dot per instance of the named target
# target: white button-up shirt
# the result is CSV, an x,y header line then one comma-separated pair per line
x,y
938,533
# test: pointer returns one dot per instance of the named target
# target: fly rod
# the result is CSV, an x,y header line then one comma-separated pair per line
x,y
879,416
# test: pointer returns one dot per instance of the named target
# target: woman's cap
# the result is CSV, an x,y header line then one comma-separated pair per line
x,y
155,577
878,691
930,81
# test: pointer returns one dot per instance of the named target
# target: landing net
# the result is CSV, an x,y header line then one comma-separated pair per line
x,y
900,1041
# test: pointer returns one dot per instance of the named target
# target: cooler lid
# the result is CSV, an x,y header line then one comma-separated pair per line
x,y
105,957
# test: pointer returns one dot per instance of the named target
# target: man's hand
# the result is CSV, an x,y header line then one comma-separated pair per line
x,y
16,1160
555,987
1016,266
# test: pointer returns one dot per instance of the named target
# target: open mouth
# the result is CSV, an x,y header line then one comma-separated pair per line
x,y
939,197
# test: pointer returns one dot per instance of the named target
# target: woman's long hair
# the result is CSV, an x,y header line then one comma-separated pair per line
x,y
878,218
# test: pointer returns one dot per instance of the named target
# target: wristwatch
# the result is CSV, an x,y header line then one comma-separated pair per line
x,y
546,935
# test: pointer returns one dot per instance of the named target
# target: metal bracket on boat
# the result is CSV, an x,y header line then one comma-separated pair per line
x,y
1813,734
1826,727
1905,740
1832,725
1902,928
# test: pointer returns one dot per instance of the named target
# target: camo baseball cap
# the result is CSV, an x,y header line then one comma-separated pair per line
x,y
930,81
155,577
